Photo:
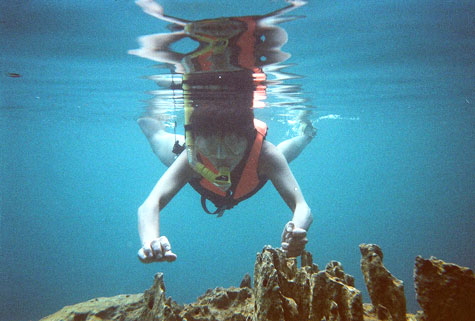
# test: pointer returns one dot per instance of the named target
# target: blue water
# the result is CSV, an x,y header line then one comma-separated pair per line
x,y
393,162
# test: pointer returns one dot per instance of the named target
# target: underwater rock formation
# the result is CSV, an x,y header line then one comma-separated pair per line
x,y
285,292
445,291
282,291
155,305
234,304
113,308
385,291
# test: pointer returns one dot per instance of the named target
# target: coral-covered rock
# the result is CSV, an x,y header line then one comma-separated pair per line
x,y
445,291
386,292
246,281
236,304
150,306
371,315
121,307
335,269
156,306
333,298
267,293
285,292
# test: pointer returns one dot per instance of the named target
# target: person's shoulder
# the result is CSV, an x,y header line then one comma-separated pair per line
x,y
182,167
268,150
270,157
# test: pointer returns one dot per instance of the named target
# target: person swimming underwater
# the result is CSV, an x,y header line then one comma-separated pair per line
x,y
224,155
226,160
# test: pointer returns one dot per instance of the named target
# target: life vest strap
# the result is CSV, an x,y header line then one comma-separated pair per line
x,y
219,209
248,182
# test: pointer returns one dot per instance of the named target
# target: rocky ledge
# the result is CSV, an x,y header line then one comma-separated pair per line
x,y
283,291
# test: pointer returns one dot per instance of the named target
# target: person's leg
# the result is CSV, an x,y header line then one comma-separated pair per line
x,y
160,141
291,148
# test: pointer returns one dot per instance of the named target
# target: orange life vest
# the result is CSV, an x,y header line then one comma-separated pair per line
x,y
245,180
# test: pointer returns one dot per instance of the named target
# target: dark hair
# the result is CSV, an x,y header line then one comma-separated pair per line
x,y
222,117
222,103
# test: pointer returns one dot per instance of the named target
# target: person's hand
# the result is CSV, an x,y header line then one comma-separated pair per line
x,y
158,250
293,240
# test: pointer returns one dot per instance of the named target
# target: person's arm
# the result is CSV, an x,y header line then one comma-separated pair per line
x,y
274,165
156,248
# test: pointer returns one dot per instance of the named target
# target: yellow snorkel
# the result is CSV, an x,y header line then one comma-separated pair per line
x,y
222,179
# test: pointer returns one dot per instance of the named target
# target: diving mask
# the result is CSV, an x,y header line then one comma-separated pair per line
x,y
222,179
221,147
224,152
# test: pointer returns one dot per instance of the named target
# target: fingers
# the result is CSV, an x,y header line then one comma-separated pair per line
x,y
294,247
167,253
145,255
295,235
288,228
299,233
158,250
169,256
165,244
294,240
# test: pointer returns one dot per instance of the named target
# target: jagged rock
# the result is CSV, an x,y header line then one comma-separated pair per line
x,y
156,307
279,277
269,304
445,291
335,269
281,291
246,281
370,314
334,300
285,292
121,307
150,306
385,291
236,304
307,259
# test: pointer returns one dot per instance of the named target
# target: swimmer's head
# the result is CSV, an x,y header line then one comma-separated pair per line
x,y
223,151
222,133
228,118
